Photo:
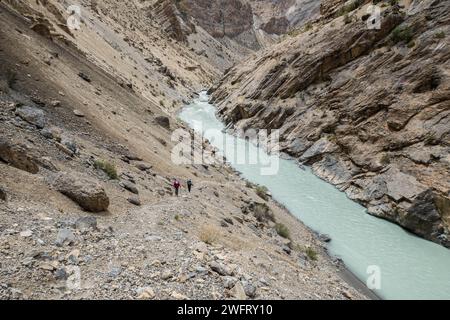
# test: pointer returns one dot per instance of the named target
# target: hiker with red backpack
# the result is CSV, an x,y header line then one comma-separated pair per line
x,y
177,186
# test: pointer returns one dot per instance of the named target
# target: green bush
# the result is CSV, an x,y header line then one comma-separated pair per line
x,y
283,231
308,26
349,7
347,19
440,35
411,44
261,191
107,168
263,213
311,254
402,34
385,159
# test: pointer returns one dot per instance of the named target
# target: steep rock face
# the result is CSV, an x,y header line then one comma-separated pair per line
x,y
368,109
278,25
231,19
246,21
330,7
278,17
167,14
219,17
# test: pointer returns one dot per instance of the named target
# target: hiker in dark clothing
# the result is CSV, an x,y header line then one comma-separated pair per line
x,y
189,185
177,186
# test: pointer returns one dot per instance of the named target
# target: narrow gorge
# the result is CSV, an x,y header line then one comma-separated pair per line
x,y
94,205
366,108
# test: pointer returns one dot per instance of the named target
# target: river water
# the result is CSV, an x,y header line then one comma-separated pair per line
x,y
398,264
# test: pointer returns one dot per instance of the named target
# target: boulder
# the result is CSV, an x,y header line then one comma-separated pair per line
x,y
17,157
65,237
78,113
249,289
146,293
238,292
402,186
425,214
135,201
32,115
129,186
319,148
86,223
143,166
163,121
220,269
87,193
70,144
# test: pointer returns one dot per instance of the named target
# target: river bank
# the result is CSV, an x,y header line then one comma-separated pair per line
x,y
360,240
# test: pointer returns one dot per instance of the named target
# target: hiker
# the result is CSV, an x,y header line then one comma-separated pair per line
x,y
189,185
177,186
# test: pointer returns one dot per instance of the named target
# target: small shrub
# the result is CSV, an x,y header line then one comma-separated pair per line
x,y
440,35
402,34
107,168
209,234
11,78
308,26
177,217
261,191
311,254
347,19
295,32
282,231
161,103
385,159
411,44
349,7
263,213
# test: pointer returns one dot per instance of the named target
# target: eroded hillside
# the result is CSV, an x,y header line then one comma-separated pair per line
x,y
87,210
368,108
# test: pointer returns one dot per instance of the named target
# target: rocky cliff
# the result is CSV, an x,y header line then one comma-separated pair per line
x,y
367,108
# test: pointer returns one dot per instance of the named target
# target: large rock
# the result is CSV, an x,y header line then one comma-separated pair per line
x,y
163,121
220,268
425,214
238,291
319,148
32,115
402,186
129,186
17,156
87,193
